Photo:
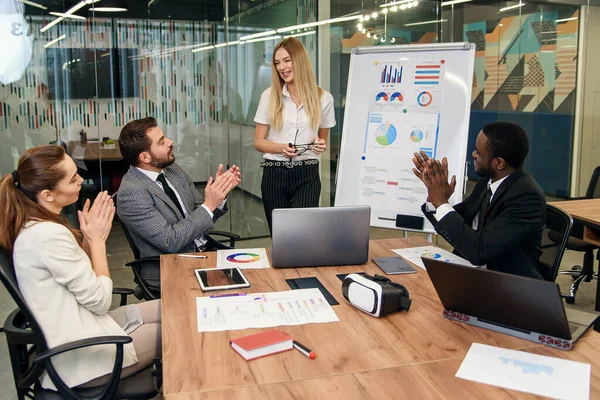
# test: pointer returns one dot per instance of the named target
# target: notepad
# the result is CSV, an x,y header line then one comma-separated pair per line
x,y
262,344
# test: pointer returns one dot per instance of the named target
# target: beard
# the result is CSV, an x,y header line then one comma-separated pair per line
x,y
485,171
162,163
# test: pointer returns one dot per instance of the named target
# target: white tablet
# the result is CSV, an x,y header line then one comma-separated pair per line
x,y
221,279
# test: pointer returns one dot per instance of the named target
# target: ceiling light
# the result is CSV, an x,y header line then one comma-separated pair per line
x,y
435,21
264,39
374,15
257,35
227,44
32,4
66,16
449,3
301,34
70,11
202,49
58,39
396,3
111,6
403,7
359,26
368,34
384,11
366,18
392,40
394,8
319,23
511,7
364,30
382,40
566,19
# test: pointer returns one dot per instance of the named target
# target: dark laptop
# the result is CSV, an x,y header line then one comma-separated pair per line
x,y
312,237
528,308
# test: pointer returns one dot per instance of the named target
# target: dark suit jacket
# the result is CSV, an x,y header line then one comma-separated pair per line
x,y
512,230
155,223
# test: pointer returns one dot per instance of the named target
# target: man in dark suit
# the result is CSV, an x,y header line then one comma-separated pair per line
x,y
166,219
500,225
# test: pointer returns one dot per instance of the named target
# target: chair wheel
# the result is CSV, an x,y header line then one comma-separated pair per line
x,y
570,300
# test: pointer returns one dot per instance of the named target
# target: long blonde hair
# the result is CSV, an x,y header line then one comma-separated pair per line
x,y
304,82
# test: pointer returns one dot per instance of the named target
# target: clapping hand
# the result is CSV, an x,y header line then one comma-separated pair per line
x,y
95,222
435,177
217,190
235,170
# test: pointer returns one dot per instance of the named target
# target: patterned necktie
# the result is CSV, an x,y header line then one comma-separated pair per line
x,y
169,192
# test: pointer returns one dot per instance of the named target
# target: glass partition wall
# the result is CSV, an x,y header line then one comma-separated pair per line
x,y
199,68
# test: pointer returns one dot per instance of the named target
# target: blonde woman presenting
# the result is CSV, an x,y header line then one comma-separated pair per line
x,y
292,124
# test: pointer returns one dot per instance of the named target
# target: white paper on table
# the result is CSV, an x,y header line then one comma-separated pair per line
x,y
414,254
525,372
261,310
243,258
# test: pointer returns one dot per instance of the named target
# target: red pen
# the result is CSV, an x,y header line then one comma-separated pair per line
x,y
304,350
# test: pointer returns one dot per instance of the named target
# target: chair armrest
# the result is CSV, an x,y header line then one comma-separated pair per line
x,y
93,341
123,292
232,236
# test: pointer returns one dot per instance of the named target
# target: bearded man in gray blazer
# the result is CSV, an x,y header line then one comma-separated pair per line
x,y
158,202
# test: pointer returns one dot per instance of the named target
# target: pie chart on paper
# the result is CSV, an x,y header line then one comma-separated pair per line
x,y
416,135
382,98
385,134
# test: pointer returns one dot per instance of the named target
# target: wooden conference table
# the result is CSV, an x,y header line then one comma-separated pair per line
x,y
405,355
586,213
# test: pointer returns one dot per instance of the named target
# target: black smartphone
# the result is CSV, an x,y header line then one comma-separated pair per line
x,y
394,265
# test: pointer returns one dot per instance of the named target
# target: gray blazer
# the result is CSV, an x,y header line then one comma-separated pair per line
x,y
154,222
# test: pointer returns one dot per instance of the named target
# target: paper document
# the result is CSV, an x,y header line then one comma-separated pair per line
x,y
243,258
261,310
531,373
414,254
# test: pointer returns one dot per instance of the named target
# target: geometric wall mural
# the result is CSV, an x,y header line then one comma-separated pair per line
x,y
525,64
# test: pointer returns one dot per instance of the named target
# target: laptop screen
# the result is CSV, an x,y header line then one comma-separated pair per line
x,y
503,299
313,237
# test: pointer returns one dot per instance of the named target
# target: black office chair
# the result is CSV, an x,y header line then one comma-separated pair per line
x,y
584,273
30,356
145,291
554,240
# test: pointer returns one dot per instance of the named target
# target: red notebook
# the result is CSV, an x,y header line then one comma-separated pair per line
x,y
262,344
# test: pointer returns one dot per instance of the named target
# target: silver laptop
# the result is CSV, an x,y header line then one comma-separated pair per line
x,y
311,237
528,308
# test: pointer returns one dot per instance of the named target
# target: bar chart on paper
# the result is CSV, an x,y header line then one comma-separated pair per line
x,y
261,310
391,73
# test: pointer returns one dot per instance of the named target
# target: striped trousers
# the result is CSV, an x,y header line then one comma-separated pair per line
x,y
296,187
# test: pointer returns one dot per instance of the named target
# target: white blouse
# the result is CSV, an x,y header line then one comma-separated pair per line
x,y
68,300
295,121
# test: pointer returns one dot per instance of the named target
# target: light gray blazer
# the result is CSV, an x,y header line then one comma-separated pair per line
x,y
154,222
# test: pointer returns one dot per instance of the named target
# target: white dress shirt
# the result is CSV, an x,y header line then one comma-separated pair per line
x,y
201,241
294,120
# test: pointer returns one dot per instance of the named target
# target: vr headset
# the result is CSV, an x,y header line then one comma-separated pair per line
x,y
375,295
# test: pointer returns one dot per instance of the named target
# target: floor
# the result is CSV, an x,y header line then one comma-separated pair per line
x,y
122,276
